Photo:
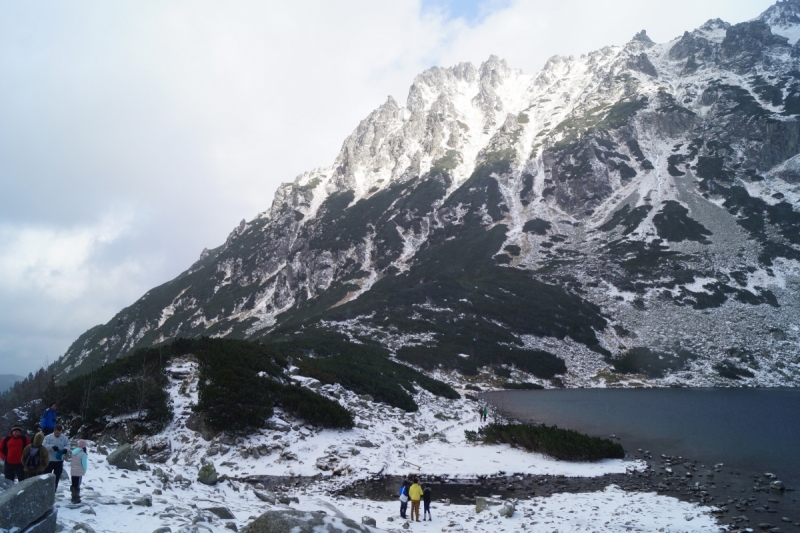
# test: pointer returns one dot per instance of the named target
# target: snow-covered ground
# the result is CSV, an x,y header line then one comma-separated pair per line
x,y
388,441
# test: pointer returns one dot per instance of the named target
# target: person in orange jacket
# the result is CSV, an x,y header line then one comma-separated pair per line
x,y
415,493
11,448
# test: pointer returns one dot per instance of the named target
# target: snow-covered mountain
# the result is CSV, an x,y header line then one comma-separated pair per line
x,y
624,217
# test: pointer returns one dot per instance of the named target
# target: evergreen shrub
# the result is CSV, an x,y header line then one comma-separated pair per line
x,y
563,444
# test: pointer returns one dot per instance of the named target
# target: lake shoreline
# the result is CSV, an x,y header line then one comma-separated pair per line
x,y
744,496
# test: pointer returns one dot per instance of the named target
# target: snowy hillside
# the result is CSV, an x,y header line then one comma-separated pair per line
x,y
626,217
166,493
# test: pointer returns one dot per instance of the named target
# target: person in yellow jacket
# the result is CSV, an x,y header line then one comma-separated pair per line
x,y
415,494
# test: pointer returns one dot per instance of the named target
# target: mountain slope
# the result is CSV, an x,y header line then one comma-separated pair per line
x,y
625,217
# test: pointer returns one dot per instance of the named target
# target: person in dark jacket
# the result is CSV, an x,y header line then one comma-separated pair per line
x,y
48,421
11,448
426,500
404,498
35,456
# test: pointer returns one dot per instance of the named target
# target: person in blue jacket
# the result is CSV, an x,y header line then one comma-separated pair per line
x,y
48,421
404,497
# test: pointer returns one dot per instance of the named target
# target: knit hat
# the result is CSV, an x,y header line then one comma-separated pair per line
x,y
82,444
16,427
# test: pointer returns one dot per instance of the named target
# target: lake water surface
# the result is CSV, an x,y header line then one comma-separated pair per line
x,y
755,430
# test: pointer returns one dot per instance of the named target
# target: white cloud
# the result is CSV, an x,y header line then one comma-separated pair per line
x,y
188,114
54,262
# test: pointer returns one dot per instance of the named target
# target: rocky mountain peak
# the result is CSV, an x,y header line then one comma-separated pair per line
x,y
626,217
642,38
782,14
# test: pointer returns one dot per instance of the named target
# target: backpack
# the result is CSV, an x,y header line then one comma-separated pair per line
x,y
33,459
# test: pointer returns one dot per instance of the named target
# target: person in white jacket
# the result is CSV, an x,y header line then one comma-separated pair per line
x,y
57,445
78,469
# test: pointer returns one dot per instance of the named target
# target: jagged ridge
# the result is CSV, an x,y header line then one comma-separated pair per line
x,y
637,197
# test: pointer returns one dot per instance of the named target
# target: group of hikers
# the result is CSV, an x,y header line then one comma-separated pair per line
x,y
50,447
415,492
411,490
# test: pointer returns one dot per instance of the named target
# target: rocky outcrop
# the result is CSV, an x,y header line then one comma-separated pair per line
x,y
304,522
27,507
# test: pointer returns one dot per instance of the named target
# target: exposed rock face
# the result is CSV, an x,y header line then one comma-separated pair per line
x,y
29,503
612,219
303,522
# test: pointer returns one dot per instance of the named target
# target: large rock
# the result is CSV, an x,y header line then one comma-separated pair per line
x,y
27,501
123,457
221,512
144,501
304,522
266,496
197,423
483,504
207,474
46,524
507,510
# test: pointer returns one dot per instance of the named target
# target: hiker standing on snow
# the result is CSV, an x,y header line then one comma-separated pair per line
x,y
78,469
426,500
11,448
415,493
35,457
404,498
48,421
58,444
484,412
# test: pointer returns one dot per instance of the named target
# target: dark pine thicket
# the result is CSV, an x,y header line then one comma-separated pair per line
x,y
564,444
241,382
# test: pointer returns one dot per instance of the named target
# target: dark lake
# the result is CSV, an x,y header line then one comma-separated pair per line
x,y
754,430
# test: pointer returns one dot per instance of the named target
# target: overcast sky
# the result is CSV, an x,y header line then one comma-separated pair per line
x,y
135,134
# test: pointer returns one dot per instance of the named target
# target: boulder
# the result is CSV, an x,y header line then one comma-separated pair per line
x,y
266,496
144,501
163,529
123,457
507,510
161,457
278,425
81,526
46,524
207,474
303,522
368,521
221,512
197,423
483,504
231,526
27,501
158,473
